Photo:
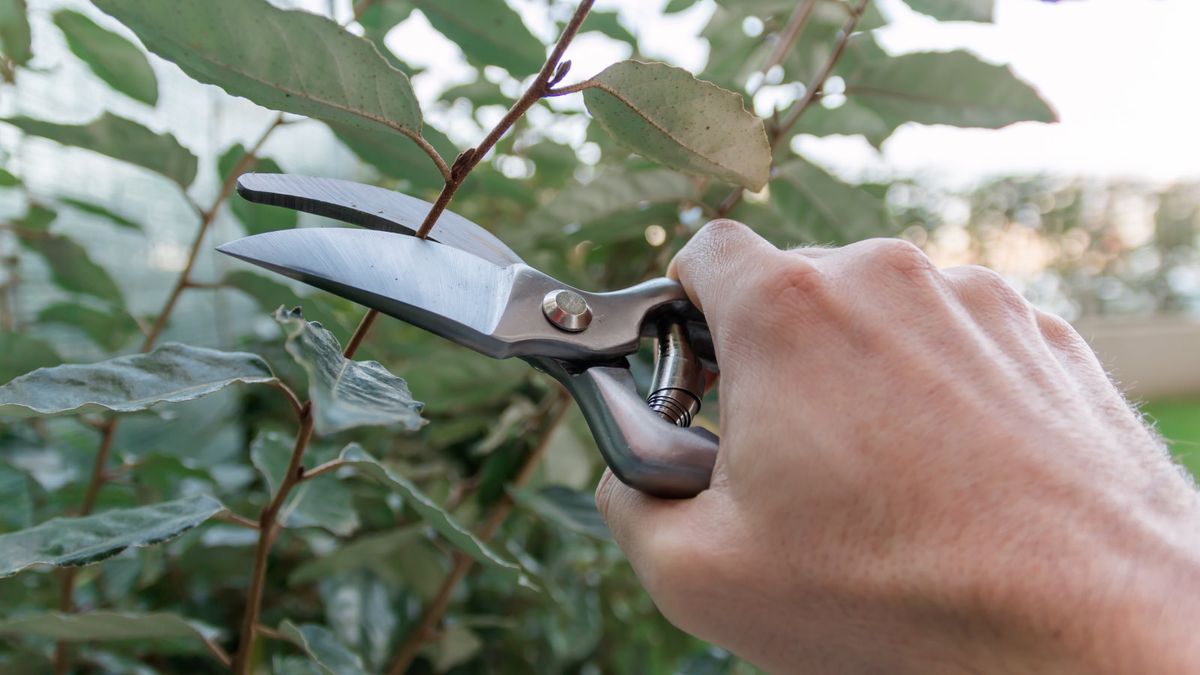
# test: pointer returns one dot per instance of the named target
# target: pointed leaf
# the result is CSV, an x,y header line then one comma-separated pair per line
x,y
172,373
100,211
398,160
287,60
15,42
346,393
257,218
609,24
121,139
320,502
323,647
73,542
71,268
489,32
110,329
955,10
666,115
20,353
572,509
106,626
111,57
445,524
823,208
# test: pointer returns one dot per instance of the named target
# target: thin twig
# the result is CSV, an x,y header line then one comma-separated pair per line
x,y
291,397
436,608
811,96
241,521
551,74
268,530
331,465
270,633
791,32
360,333
218,653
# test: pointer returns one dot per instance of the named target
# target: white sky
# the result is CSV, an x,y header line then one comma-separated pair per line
x,y
1121,74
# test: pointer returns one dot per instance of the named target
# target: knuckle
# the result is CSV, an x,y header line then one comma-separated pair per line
x,y
1058,331
900,256
790,286
987,289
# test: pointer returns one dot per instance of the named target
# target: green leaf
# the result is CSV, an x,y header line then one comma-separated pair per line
x,y
323,647
15,41
378,20
403,557
287,60
121,139
73,542
563,506
456,645
670,117
613,192
823,209
346,393
108,626
71,268
38,218
111,57
6,178
609,24
257,218
359,609
454,532
102,212
320,502
489,32
269,294
398,160
20,353
955,10
171,373
955,88
816,43
674,6
480,92
109,329
16,508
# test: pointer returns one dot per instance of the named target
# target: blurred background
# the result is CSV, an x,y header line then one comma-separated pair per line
x,y
1095,217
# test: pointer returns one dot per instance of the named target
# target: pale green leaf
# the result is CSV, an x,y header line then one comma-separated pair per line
x,y
257,218
609,24
37,218
674,6
20,353
71,268
613,192
572,509
108,626
121,139
955,88
398,160
346,393
670,117
403,558
73,542
287,60
110,328
454,532
360,611
955,10
172,373
7,179
809,56
16,507
489,32
15,37
480,92
320,502
269,294
824,209
100,211
323,647
456,645
111,57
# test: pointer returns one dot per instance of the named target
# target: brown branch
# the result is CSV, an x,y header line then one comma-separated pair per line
x,y
811,96
268,531
791,32
360,333
291,397
218,653
241,521
331,465
436,608
552,73
209,215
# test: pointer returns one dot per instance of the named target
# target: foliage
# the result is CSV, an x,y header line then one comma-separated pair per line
x,y
209,526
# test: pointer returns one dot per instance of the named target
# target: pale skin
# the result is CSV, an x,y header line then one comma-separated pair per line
x,y
919,472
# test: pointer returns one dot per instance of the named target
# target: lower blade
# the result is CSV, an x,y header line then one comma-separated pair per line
x,y
436,287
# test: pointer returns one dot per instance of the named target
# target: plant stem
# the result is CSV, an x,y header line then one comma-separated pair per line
x,y
551,74
463,563
268,530
791,32
811,96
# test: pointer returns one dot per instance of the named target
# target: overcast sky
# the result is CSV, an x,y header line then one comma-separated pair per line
x,y
1121,73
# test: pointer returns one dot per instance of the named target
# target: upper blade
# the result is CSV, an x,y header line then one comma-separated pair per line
x,y
372,207
439,288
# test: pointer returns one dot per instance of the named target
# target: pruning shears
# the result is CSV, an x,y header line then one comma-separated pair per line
x,y
466,285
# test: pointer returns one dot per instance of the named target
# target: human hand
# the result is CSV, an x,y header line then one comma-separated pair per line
x,y
919,472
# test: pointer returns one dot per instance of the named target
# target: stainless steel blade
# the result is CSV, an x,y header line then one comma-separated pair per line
x,y
496,310
372,207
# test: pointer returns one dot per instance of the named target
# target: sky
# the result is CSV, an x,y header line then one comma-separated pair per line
x,y
1120,73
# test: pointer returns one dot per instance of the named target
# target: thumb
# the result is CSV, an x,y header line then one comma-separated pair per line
x,y
632,516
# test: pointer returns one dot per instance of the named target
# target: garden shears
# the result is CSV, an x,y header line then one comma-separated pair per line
x,y
466,285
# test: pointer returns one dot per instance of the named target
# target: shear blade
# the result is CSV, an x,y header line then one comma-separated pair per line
x,y
371,207
439,288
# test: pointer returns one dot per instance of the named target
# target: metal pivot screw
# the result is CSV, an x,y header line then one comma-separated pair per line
x,y
567,310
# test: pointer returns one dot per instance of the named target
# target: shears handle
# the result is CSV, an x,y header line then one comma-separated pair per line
x,y
647,442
